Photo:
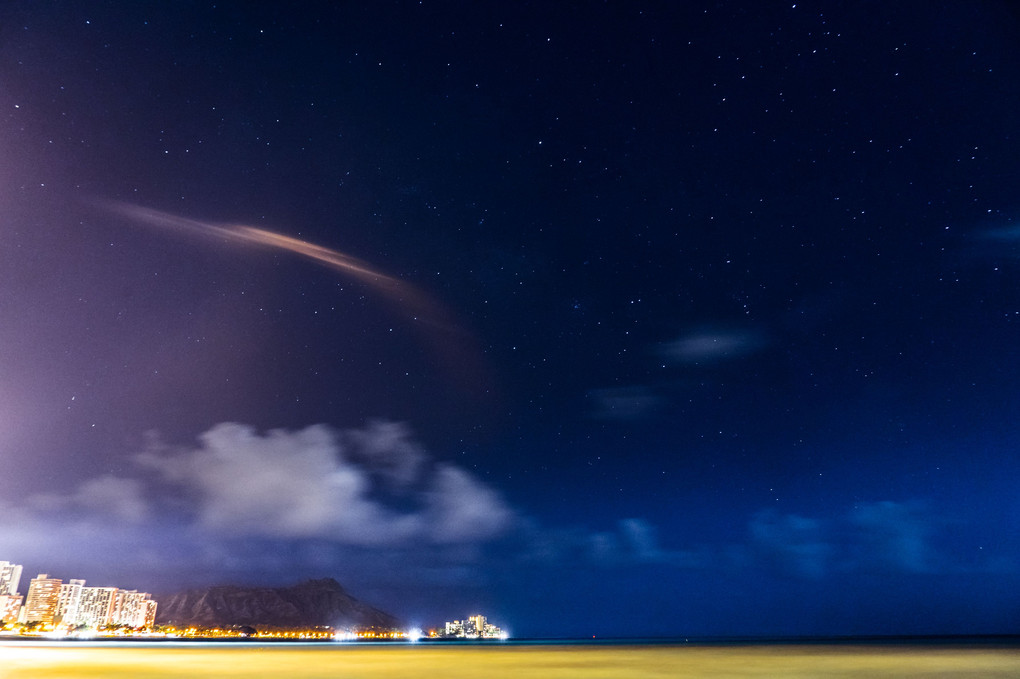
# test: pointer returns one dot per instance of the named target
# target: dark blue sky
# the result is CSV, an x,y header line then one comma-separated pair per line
x,y
695,318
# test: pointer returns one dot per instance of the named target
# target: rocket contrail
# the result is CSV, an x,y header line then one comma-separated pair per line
x,y
443,333
249,234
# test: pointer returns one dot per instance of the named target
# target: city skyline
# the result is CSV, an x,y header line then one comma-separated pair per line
x,y
56,605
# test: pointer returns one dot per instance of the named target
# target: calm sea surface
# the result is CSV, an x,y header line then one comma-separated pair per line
x,y
549,660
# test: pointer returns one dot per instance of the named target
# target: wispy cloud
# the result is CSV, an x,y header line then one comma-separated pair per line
x,y
791,542
709,345
993,242
1005,233
627,543
882,536
894,535
105,496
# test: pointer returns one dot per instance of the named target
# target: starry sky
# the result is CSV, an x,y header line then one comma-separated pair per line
x,y
613,318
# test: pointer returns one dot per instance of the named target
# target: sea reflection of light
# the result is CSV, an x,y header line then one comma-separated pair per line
x,y
131,660
41,642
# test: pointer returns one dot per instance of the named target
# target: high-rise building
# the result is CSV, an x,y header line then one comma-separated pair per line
x,y
70,600
97,606
10,576
475,626
53,602
150,613
43,597
130,608
10,606
103,606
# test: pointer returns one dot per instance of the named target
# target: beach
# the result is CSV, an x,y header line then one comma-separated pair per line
x,y
35,660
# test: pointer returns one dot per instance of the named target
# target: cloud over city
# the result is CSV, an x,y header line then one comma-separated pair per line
x,y
324,488
373,486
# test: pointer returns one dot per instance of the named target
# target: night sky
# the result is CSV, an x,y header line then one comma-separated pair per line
x,y
625,318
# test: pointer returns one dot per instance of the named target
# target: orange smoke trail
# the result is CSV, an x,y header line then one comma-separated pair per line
x,y
451,343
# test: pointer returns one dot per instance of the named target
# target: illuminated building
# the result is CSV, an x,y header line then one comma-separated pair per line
x,y
97,606
10,576
475,627
150,613
43,597
70,599
54,603
10,605
105,606
130,608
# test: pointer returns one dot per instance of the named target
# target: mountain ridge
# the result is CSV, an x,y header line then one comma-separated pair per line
x,y
321,602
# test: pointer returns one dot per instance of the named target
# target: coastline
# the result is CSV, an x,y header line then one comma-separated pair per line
x,y
933,640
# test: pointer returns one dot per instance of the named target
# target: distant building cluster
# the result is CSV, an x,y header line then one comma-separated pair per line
x,y
475,627
52,604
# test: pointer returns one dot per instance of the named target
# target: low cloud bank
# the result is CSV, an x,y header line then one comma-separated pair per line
x,y
241,501
373,501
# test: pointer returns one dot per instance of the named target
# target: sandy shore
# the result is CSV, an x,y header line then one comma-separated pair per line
x,y
70,661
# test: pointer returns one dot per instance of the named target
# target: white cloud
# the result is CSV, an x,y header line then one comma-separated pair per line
x,y
283,484
363,488
380,490
240,502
